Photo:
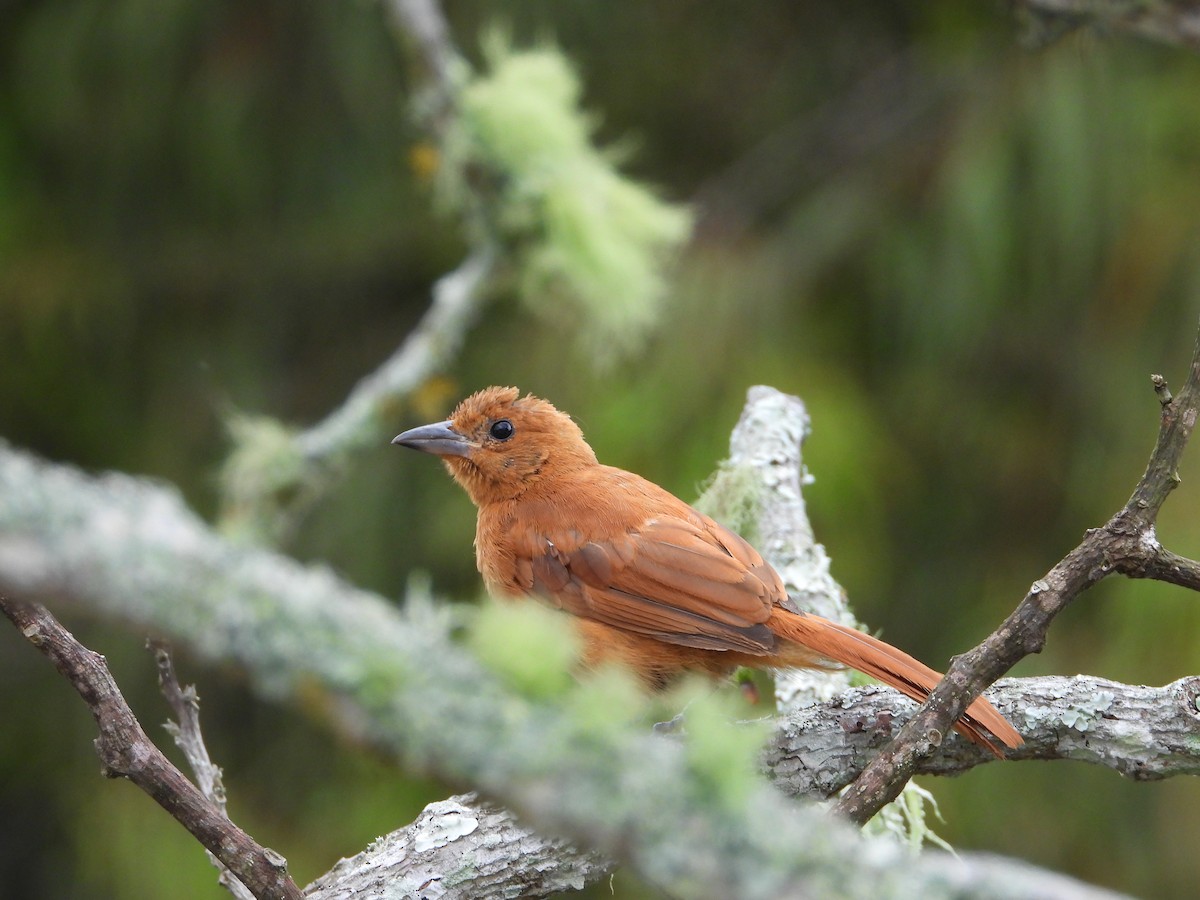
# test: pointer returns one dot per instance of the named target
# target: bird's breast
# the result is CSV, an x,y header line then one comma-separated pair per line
x,y
505,546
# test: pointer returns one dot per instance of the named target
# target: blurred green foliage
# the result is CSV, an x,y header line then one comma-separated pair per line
x,y
965,257
530,647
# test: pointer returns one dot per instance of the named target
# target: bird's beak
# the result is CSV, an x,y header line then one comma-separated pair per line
x,y
440,439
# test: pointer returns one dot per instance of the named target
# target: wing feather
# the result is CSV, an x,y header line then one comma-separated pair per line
x,y
674,578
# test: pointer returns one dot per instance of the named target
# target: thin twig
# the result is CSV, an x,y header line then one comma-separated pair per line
x,y
456,296
428,348
185,703
1127,544
422,23
361,419
126,752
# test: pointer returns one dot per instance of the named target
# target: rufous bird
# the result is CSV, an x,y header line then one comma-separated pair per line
x,y
654,584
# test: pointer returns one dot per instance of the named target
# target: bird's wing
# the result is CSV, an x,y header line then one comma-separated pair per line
x,y
686,581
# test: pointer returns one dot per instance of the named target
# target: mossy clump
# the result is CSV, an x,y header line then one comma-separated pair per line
x,y
591,246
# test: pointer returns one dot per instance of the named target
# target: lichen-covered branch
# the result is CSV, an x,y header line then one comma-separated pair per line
x,y
126,752
272,472
132,550
461,847
759,491
1144,733
428,348
421,22
1126,544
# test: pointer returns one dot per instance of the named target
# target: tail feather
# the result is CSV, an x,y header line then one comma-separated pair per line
x,y
893,667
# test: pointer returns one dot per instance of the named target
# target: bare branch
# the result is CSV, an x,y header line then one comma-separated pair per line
x,y
126,752
1171,568
185,703
1127,544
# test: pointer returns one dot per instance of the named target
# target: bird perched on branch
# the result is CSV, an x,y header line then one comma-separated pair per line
x,y
654,584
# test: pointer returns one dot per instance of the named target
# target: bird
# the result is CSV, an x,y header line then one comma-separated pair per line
x,y
652,583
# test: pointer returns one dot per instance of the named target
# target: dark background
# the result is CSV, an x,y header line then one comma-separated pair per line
x,y
966,256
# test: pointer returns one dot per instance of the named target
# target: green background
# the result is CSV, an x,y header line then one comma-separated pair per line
x,y
966,256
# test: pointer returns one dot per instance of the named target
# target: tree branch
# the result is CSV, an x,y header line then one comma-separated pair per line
x,y
126,752
767,443
185,703
456,296
461,847
1163,21
1126,543
421,22
436,340
266,480
1144,733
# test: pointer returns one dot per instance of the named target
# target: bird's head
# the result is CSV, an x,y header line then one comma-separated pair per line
x,y
497,444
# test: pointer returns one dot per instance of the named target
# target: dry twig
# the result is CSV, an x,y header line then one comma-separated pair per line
x,y
185,703
126,752
1126,544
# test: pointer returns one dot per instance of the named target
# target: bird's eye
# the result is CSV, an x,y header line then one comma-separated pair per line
x,y
502,430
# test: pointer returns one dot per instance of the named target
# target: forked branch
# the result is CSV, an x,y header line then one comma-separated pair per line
x,y
126,752
1126,544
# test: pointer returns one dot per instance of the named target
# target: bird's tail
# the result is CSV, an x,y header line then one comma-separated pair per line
x,y
828,640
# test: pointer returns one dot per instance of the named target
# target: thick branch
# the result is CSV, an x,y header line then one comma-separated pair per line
x,y
126,752
1126,544
1144,733
461,847
768,443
